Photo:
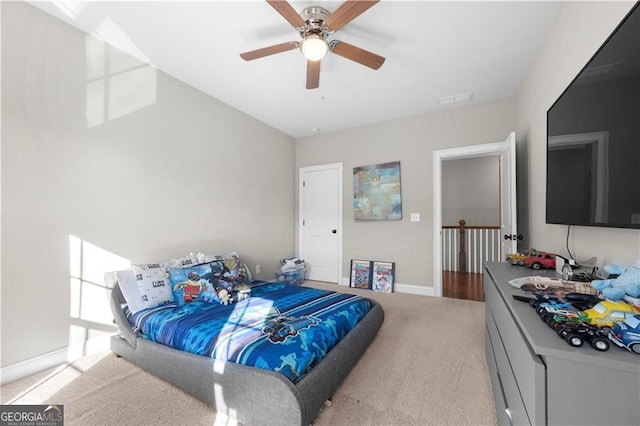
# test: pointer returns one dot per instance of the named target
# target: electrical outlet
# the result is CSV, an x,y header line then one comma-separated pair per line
x,y
258,268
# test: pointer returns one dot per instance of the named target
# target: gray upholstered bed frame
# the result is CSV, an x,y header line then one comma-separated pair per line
x,y
248,394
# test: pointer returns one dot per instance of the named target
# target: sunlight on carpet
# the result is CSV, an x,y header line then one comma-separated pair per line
x,y
42,386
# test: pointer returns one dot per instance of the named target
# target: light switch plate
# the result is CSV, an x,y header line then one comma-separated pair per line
x,y
415,217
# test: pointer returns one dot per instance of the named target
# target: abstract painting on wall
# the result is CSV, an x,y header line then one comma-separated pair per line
x,y
376,192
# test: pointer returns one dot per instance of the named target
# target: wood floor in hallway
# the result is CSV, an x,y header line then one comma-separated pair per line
x,y
462,285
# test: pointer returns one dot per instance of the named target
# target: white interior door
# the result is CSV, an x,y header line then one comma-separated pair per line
x,y
507,152
508,212
320,224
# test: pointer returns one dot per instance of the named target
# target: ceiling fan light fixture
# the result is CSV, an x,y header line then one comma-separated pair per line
x,y
315,25
314,47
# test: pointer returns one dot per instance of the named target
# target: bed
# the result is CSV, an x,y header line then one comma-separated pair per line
x,y
248,383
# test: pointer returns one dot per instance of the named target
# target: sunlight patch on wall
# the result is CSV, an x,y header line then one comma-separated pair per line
x,y
111,33
70,8
119,78
90,312
131,91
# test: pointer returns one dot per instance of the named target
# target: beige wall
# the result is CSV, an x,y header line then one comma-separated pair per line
x,y
576,34
411,141
155,170
471,191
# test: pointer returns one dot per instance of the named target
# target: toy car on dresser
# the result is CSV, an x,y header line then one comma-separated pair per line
x,y
518,258
546,310
609,312
541,260
576,333
626,334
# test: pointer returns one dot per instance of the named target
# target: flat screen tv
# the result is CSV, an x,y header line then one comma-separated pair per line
x,y
593,138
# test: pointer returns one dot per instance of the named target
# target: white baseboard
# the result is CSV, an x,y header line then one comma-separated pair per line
x,y
402,288
52,359
414,289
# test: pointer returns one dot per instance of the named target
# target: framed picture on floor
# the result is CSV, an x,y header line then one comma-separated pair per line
x,y
360,274
383,276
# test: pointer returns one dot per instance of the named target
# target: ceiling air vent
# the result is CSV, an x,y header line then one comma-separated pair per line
x,y
454,99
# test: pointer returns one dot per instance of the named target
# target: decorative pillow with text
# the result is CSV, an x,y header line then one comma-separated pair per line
x,y
154,285
129,287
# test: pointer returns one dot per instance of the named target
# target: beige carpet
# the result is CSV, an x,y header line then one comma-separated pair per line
x,y
425,367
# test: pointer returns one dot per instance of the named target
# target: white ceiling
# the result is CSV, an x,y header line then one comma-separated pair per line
x,y
432,50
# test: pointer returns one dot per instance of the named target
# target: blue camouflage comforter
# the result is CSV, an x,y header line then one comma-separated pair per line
x,y
281,327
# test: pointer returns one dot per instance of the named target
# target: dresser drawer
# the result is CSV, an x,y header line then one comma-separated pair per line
x,y
496,385
514,411
526,368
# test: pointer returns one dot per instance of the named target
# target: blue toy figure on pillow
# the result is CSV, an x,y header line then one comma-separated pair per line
x,y
209,294
627,282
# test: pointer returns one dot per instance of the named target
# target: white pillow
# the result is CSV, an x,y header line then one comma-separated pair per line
x,y
208,258
148,265
129,287
181,262
153,285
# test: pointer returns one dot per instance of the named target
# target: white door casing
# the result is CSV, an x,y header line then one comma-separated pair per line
x,y
508,208
320,221
506,151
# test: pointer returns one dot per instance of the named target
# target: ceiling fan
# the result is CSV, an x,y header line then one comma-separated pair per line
x,y
315,24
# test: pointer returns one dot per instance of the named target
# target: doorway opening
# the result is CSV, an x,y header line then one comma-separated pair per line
x,y
507,200
470,223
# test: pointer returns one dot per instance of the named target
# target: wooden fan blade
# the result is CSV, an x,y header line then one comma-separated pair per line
x,y
313,74
287,12
357,54
347,12
269,50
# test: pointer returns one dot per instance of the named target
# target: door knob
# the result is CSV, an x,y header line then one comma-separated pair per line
x,y
513,237
334,231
